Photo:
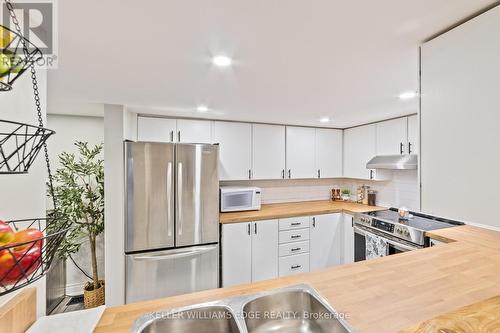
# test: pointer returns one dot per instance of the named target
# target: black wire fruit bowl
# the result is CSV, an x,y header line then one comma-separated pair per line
x,y
17,54
28,249
19,145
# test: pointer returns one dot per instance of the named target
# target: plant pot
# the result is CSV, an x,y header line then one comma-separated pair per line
x,y
93,297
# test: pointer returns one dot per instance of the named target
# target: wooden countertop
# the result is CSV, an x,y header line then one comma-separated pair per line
x,y
293,209
387,294
481,317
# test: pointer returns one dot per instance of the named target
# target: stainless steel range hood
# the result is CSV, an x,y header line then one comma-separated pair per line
x,y
393,162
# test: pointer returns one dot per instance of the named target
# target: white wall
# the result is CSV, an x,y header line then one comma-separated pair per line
x,y
23,196
70,129
460,114
401,190
119,125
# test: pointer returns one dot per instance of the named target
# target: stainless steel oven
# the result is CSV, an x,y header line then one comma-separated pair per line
x,y
395,245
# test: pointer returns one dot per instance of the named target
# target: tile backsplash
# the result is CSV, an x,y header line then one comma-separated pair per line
x,y
400,190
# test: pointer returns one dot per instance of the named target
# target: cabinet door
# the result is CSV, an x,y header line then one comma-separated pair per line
x,y
392,137
265,250
300,152
348,239
236,254
359,148
413,136
328,153
150,129
268,151
235,154
194,131
326,241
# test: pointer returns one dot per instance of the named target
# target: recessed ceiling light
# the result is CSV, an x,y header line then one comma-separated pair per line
x,y
202,108
408,95
222,61
325,120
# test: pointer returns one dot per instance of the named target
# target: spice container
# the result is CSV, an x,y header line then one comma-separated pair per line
x,y
372,198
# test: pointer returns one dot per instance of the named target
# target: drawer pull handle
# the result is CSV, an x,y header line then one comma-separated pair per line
x,y
295,236
295,223
296,249
296,267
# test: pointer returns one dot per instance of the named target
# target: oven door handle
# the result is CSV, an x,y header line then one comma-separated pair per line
x,y
396,245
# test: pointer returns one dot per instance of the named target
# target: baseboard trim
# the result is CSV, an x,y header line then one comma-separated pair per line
x,y
74,289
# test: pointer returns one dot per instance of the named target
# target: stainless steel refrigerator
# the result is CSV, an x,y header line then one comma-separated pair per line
x,y
172,219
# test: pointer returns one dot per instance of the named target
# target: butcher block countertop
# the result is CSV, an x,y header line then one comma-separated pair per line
x,y
481,317
293,209
389,294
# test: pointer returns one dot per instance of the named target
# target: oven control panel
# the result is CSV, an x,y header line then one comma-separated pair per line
x,y
384,226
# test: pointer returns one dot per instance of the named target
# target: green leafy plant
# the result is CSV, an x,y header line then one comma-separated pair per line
x,y
79,198
346,192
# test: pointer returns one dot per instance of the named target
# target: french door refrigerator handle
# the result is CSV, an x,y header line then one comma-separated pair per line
x,y
181,254
169,199
179,197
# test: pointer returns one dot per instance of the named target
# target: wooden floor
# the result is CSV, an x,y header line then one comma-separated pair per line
x,y
388,294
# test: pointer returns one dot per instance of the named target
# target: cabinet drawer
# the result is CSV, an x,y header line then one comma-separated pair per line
x,y
294,264
294,248
295,235
294,223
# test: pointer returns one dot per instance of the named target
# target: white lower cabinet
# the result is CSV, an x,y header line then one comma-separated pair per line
x,y
326,241
264,250
295,235
348,239
294,248
254,251
295,264
249,252
236,254
294,245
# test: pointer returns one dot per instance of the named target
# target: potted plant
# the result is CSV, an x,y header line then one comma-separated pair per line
x,y
346,194
79,197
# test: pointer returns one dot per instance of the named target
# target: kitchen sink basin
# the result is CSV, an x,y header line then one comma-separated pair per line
x,y
210,319
295,311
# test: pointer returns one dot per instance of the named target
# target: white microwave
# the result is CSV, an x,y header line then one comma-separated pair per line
x,y
236,199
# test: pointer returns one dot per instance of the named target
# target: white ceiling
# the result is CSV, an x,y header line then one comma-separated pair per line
x,y
295,60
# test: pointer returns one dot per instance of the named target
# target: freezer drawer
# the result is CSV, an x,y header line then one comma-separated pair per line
x,y
174,272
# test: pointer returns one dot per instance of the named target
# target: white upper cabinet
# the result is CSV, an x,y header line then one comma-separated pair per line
x,y
328,153
392,137
151,129
413,137
235,158
359,148
300,152
268,151
194,131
